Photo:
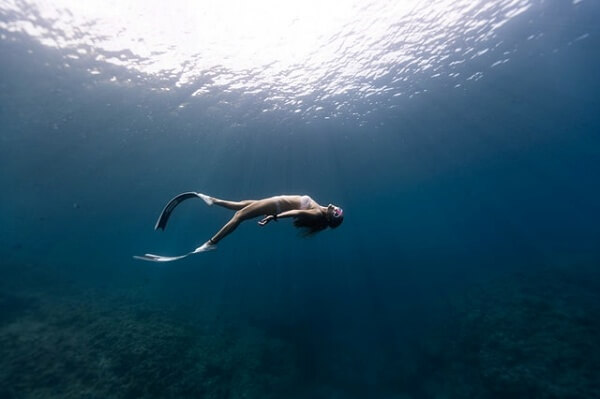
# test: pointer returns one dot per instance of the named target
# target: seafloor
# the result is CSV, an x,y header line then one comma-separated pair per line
x,y
528,334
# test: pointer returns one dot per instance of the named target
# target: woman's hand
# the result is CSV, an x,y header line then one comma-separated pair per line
x,y
266,220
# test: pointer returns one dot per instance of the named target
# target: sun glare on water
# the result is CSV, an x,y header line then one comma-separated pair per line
x,y
322,48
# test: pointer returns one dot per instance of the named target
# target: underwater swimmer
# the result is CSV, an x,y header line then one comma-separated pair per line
x,y
306,212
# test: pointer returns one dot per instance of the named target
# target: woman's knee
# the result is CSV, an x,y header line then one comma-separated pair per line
x,y
239,216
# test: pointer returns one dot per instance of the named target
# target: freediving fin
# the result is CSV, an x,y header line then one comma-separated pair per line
x,y
161,223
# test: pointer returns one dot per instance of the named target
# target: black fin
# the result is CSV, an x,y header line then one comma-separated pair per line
x,y
161,223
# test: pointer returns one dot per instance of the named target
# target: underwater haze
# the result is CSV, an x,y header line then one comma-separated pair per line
x,y
461,138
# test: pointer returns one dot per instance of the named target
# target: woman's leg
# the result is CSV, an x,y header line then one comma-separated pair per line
x,y
253,209
233,205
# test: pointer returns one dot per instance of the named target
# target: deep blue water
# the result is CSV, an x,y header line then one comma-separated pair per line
x,y
467,264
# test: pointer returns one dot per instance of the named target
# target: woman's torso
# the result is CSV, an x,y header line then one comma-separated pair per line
x,y
290,202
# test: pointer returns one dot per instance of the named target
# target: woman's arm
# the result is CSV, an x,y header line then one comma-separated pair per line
x,y
288,214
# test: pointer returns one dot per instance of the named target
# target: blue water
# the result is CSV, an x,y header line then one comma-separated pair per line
x,y
464,151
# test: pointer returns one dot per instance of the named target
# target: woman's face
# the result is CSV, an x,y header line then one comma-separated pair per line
x,y
335,216
334,211
330,209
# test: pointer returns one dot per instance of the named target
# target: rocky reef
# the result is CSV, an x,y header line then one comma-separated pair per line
x,y
80,347
528,334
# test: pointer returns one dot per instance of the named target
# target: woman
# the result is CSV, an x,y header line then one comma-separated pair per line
x,y
306,212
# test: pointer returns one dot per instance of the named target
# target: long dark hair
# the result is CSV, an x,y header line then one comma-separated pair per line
x,y
310,225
